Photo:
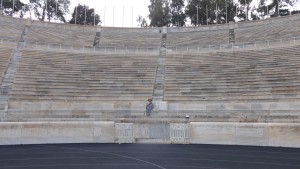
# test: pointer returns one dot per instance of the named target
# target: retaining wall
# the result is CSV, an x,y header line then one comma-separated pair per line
x,y
255,134
56,132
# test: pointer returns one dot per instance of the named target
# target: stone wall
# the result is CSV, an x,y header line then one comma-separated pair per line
x,y
271,112
254,134
56,132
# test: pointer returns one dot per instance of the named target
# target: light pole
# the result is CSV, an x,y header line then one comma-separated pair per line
x,y
123,18
226,9
246,10
197,15
278,8
84,14
95,16
206,15
13,8
56,7
76,14
113,16
216,13
1,5
104,15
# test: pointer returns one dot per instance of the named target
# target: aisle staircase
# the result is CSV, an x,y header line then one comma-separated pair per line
x,y
8,78
97,39
158,91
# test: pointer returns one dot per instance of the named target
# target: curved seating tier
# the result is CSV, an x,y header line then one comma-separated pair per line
x,y
248,75
5,55
10,29
262,30
198,38
268,31
66,35
130,39
48,75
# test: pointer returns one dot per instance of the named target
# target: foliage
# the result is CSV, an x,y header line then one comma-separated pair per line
x,y
18,7
203,14
177,15
85,16
142,21
46,9
208,13
244,10
276,6
231,11
159,13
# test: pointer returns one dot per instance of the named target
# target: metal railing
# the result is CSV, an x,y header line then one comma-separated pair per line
x,y
245,45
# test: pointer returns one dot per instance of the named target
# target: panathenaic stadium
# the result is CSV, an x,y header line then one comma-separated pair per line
x,y
229,84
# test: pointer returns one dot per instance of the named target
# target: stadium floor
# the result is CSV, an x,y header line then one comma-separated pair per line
x,y
146,156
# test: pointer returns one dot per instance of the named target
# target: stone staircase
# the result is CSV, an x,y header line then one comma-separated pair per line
x,y
9,76
231,36
97,39
158,91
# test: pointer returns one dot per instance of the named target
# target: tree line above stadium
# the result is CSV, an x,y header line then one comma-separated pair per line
x,y
49,10
161,12
204,12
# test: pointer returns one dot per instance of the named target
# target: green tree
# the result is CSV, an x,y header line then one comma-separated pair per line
x,y
226,6
244,9
159,13
85,16
210,11
141,21
50,9
7,7
178,16
275,6
204,16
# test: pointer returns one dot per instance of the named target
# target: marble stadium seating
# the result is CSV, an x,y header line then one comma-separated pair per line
x,y
257,85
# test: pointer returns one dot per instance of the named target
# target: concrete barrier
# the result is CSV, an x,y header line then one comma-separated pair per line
x,y
56,132
256,134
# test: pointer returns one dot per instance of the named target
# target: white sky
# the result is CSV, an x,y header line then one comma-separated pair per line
x,y
111,11
140,7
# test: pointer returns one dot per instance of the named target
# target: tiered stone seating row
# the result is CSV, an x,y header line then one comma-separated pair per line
x,y
130,39
56,35
197,38
254,31
253,75
10,29
48,75
5,55
268,31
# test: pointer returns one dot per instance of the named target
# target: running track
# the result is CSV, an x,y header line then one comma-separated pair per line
x,y
146,156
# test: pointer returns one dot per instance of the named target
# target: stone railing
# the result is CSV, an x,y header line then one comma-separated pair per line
x,y
245,45
7,41
87,49
155,49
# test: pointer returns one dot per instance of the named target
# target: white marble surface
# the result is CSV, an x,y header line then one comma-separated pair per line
x,y
10,133
257,134
284,135
56,132
231,133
